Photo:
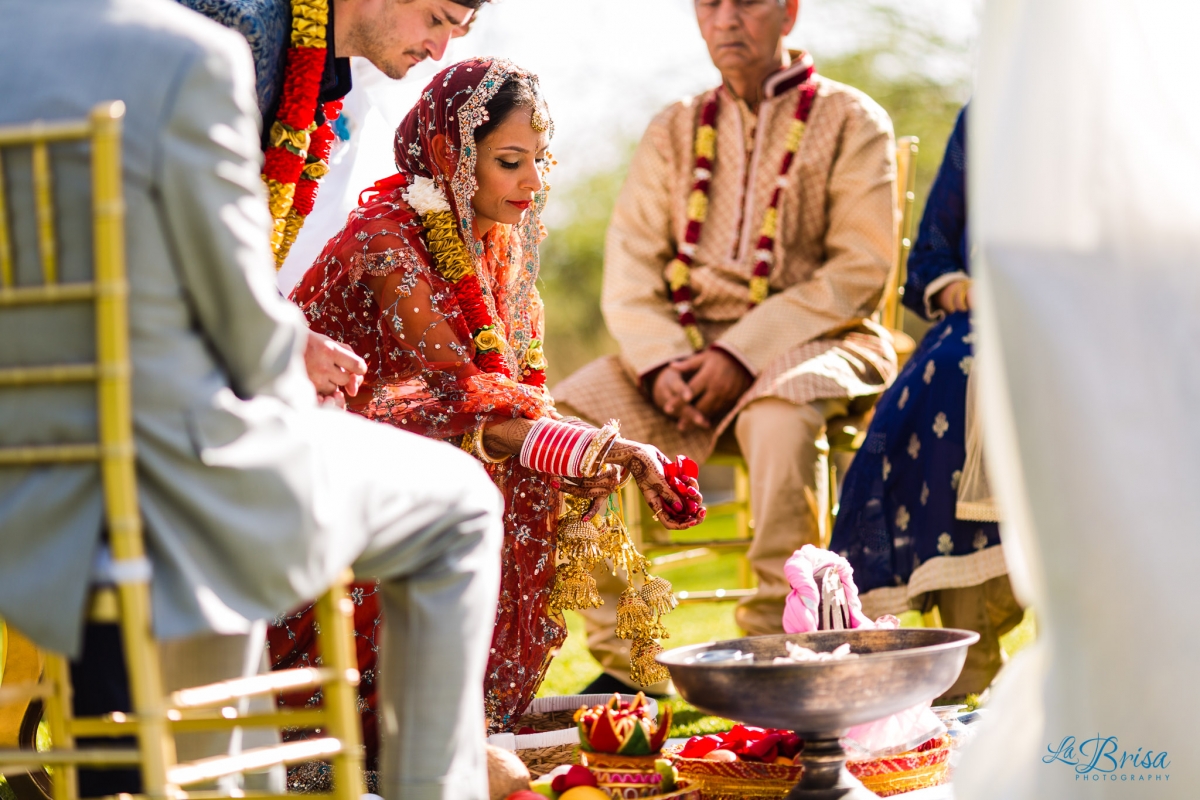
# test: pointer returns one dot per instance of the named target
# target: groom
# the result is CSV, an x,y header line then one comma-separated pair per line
x,y
253,498
394,37
745,255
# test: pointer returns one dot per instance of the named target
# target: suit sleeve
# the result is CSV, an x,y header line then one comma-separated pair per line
x,y
639,245
215,213
860,246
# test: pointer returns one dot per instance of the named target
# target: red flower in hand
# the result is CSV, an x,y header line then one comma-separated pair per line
x,y
677,473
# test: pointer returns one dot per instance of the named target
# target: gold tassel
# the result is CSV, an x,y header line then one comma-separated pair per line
x,y
574,588
580,541
658,595
643,669
634,617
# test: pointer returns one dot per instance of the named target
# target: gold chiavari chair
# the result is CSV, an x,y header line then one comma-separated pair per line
x,y
844,435
42,686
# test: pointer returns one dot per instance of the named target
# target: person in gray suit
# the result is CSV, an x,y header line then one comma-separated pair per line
x,y
255,498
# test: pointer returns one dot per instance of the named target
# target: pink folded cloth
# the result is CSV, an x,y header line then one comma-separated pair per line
x,y
813,572
824,597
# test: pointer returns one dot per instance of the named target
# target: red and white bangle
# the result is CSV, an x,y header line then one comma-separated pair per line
x,y
562,447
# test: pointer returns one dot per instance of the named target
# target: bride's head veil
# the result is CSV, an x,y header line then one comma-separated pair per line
x,y
454,104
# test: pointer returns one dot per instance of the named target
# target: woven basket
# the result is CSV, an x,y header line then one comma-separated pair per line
x,y
906,772
556,736
739,780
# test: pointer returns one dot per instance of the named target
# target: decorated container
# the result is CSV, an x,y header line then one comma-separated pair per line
x,y
551,736
925,766
626,777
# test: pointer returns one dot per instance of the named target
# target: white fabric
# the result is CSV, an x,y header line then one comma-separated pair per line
x,y
1085,148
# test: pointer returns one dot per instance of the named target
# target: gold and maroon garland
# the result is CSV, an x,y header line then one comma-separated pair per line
x,y
679,271
298,151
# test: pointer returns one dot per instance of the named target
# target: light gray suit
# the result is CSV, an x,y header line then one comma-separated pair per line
x,y
253,498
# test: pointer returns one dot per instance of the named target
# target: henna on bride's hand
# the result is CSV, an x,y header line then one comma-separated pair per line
x,y
506,438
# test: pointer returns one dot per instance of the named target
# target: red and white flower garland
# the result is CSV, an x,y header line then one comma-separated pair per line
x,y
679,271
298,150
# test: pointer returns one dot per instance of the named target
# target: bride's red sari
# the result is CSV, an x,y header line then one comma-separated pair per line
x,y
423,376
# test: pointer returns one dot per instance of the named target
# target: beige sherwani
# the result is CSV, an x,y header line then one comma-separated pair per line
x,y
811,341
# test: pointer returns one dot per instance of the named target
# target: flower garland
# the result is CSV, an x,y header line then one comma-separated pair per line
x,y
679,271
298,150
453,263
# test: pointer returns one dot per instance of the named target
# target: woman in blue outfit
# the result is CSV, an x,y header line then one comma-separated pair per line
x,y
897,524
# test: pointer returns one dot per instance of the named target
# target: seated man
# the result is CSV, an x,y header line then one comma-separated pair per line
x,y
750,244
254,498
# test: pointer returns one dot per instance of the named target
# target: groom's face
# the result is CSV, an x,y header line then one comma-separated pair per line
x,y
394,35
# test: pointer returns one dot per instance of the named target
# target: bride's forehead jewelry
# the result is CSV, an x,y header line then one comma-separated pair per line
x,y
539,121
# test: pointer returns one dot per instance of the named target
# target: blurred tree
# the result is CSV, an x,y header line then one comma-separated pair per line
x,y
572,268
920,79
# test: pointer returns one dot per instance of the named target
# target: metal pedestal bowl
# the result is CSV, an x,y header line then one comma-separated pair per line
x,y
821,700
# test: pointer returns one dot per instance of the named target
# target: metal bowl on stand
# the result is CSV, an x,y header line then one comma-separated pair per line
x,y
820,700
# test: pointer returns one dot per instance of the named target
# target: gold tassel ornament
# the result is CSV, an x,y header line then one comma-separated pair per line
x,y
580,541
634,617
643,669
574,588
583,546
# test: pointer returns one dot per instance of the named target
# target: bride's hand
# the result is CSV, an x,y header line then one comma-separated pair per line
x,y
597,488
646,463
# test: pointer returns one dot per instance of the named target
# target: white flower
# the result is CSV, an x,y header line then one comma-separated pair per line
x,y
765,256
688,249
683,308
945,544
425,196
702,174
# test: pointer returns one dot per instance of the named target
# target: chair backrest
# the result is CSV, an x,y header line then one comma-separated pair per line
x,y
108,290
892,311
113,449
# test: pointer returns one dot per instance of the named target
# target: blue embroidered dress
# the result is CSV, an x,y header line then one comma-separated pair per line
x,y
897,523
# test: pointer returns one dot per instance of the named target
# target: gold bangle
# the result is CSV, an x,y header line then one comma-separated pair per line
x,y
599,446
472,442
485,456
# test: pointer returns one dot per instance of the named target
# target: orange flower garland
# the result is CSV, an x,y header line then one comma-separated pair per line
x,y
679,271
298,151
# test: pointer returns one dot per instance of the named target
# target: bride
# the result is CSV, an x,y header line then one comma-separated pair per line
x,y
432,281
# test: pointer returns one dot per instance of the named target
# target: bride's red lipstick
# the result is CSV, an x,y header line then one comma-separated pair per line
x,y
521,204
